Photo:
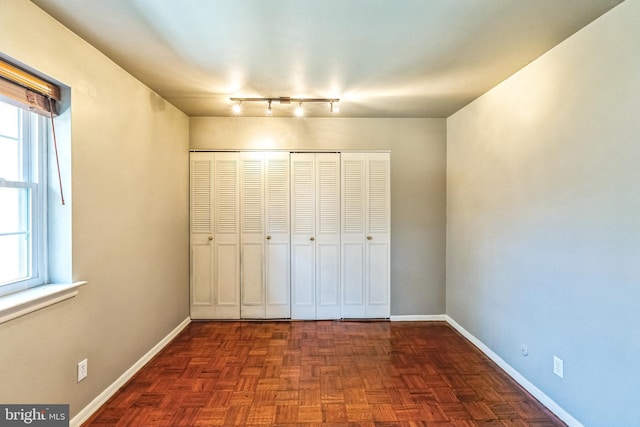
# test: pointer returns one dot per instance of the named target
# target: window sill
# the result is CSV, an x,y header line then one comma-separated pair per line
x,y
30,300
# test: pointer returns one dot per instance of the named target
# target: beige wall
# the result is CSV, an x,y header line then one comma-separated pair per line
x,y
417,185
543,217
129,210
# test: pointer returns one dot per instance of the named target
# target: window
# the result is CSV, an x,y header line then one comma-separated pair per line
x,y
32,278
22,199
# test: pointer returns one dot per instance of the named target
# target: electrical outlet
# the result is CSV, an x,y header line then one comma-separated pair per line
x,y
524,349
558,366
82,370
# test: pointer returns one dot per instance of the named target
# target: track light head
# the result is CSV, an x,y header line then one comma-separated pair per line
x,y
299,111
237,108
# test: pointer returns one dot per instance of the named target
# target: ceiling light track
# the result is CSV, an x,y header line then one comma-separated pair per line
x,y
333,108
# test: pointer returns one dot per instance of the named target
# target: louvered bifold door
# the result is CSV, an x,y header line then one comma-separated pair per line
x,y
365,235
315,236
277,250
226,237
378,237
201,235
353,235
327,193
252,237
214,236
303,298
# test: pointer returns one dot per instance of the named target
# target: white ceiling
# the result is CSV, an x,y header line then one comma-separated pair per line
x,y
383,58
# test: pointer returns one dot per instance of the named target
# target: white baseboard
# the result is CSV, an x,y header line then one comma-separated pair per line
x,y
102,398
419,318
535,391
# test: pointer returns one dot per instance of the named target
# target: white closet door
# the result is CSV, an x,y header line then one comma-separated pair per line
x,y
240,248
201,236
252,236
378,235
315,235
365,235
327,193
226,238
277,268
265,285
303,234
353,235
215,242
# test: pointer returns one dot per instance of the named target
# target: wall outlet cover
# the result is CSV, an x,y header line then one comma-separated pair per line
x,y
558,366
82,370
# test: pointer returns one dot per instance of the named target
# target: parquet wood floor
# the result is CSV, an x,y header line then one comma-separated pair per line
x,y
325,373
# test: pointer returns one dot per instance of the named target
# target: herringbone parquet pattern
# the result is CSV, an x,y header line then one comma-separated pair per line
x,y
321,374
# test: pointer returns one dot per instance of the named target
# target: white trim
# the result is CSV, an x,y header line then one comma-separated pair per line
x,y
32,299
419,318
535,391
102,398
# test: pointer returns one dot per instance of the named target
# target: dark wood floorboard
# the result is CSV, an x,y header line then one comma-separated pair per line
x,y
325,373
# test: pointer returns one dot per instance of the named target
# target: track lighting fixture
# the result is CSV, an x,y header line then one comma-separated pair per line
x,y
299,111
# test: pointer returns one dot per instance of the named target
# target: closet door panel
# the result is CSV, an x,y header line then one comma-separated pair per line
x,y
201,235
226,238
227,277
215,245
302,195
201,196
378,235
277,271
327,215
252,235
353,235
253,297
377,278
327,281
353,280
278,248
302,281
302,236
365,235
201,266
315,235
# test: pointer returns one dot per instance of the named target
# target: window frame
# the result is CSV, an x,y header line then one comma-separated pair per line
x,y
26,89
33,140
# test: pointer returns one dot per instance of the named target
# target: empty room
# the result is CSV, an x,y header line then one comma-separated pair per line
x,y
320,213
